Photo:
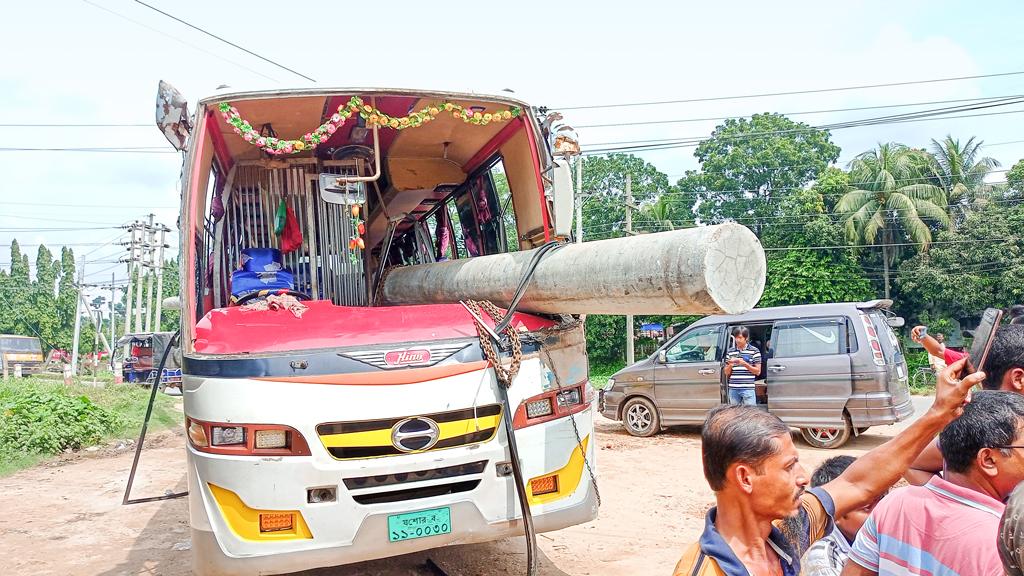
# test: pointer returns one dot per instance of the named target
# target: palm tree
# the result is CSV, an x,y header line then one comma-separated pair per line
x,y
659,214
891,198
958,169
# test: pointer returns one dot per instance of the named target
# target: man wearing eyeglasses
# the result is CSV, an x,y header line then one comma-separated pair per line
x,y
1004,370
949,526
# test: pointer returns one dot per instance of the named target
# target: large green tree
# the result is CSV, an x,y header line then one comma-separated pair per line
x,y
1015,180
891,200
749,165
604,193
978,265
808,271
959,168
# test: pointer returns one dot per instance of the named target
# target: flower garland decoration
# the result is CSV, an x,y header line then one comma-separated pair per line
x,y
356,242
373,116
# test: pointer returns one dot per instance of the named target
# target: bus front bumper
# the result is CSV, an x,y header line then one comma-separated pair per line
x,y
347,531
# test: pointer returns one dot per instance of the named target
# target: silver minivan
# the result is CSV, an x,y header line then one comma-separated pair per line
x,y
831,370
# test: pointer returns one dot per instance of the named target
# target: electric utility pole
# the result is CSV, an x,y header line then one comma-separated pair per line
x,y
579,199
113,322
629,232
150,261
78,320
132,247
159,278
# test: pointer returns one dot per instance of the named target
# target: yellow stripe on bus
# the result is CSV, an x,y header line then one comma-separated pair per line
x,y
371,438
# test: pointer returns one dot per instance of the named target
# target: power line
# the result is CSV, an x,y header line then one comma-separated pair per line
x,y
801,113
694,143
58,229
125,206
892,245
916,116
212,35
788,93
40,219
180,41
76,125
123,150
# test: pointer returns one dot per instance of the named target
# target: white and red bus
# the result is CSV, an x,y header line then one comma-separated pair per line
x,y
326,426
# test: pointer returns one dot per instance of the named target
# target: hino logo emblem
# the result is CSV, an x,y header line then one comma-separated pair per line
x,y
415,434
407,357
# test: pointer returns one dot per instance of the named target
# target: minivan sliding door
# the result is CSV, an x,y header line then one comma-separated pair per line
x,y
809,372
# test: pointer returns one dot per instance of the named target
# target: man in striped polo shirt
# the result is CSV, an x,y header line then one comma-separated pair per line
x,y
950,525
742,367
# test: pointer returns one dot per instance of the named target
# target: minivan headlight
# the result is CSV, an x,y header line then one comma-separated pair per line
x,y
611,384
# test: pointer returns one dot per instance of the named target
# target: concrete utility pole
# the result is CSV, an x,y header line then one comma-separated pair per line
x,y
78,320
159,278
579,199
138,283
131,270
150,250
113,322
629,232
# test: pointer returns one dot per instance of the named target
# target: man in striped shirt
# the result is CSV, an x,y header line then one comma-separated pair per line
x,y
949,526
742,367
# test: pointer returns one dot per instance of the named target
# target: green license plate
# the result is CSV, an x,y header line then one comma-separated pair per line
x,y
419,524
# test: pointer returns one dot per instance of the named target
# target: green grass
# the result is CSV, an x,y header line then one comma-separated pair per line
x,y
600,373
41,417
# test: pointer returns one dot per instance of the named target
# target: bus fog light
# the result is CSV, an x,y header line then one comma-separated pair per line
x,y
321,495
271,438
197,434
544,485
539,408
228,435
276,522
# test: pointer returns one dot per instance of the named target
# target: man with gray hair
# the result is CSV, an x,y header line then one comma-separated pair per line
x,y
754,469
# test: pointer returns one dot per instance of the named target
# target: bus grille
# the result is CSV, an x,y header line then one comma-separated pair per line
x,y
440,430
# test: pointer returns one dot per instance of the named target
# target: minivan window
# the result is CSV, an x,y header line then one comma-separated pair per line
x,y
697,345
807,338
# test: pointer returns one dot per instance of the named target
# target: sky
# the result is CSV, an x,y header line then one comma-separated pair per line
x,y
99,62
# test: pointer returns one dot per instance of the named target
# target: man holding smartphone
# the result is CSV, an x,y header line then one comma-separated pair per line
x,y
1004,370
742,367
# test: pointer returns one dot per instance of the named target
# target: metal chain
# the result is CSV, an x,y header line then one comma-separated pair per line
x,y
379,292
575,428
504,375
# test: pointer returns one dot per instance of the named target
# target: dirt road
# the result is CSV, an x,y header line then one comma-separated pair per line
x,y
66,517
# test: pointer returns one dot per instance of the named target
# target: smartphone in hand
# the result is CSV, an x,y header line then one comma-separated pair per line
x,y
983,337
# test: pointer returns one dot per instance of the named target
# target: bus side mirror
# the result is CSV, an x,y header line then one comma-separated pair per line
x,y
562,197
171,303
662,356
172,115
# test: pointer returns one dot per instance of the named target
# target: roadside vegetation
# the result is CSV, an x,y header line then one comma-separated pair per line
x,y
41,417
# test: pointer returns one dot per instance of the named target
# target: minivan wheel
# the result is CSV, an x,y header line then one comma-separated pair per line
x,y
829,436
641,417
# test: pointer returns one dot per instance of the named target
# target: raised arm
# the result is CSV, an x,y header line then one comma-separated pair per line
x,y
933,346
879,469
928,464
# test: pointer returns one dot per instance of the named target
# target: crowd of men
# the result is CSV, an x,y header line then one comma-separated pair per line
x,y
962,513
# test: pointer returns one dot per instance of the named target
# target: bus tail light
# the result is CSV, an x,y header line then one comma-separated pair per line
x,y
552,405
246,439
